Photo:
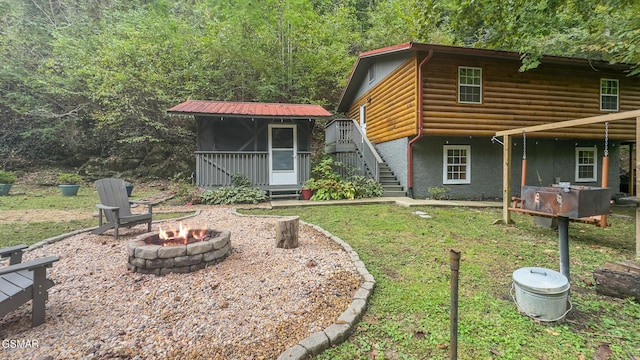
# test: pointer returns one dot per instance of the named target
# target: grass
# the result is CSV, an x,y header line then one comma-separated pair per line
x,y
408,314
37,225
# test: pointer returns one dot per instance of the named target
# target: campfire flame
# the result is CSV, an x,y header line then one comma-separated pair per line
x,y
182,235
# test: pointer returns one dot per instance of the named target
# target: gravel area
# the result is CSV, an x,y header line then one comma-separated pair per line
x,y
257,303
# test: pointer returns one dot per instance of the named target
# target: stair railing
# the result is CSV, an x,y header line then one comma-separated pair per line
x,y
370,156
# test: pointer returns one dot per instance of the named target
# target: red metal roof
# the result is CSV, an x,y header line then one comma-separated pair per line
x,y
239,109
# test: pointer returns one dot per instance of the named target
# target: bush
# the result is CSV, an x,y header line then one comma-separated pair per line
x,y
68,179
241,192
329,185
330,189
7,177
439,193
366,188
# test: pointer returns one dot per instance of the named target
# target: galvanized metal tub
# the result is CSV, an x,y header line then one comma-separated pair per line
x,y
541,293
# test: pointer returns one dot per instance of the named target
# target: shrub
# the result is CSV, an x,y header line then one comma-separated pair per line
x,y
329,185
330,189
241,192
438,193
68,179
7,177
310,184
366,188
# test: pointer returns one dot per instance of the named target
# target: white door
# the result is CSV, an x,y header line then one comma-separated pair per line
x,y
283,162
363,118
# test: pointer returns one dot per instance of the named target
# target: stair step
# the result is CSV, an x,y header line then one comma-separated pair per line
x,y
393,188
394,193
283,194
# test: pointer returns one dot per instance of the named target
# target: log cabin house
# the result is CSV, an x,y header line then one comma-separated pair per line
x,y
425,116
267,142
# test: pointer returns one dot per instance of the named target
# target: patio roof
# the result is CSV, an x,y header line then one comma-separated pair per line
x,y
249,109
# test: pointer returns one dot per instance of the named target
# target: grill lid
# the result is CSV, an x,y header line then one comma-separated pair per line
x,y
541,280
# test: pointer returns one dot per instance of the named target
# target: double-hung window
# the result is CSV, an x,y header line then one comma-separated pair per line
x,y
470,85
609,89
457,164
586,164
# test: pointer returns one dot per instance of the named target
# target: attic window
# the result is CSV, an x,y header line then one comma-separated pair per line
x,y
609,94
469,85
372,72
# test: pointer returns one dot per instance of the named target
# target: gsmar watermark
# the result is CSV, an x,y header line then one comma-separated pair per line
x,y
19,343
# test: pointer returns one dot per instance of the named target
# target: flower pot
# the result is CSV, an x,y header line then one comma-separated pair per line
x,y
4,189
69,190
306,194
129,189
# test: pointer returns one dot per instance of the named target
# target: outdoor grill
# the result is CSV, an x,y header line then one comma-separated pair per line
x,y
565,201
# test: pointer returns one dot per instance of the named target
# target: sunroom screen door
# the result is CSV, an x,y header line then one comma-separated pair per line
x,y
282,154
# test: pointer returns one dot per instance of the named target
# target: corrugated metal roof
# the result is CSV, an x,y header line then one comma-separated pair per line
x,y
239,109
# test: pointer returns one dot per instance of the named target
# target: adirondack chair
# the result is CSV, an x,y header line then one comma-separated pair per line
x,y
21,282
115,206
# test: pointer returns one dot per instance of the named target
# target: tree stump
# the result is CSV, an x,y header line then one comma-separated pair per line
x,y
287,233
621,280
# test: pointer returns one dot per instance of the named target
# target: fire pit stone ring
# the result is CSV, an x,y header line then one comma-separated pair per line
x,y
147,256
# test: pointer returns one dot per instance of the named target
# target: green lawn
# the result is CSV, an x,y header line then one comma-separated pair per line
x,y
408,316
34,201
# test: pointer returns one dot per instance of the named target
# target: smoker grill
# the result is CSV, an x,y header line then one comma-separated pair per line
x,y
566,200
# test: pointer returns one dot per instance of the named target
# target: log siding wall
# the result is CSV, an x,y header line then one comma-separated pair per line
x,y
512,99
391,111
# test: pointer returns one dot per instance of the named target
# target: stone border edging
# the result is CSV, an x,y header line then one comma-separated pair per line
x,y
341,329
316,343
57,238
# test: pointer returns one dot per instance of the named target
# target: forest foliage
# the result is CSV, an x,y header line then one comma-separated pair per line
x,y
87,83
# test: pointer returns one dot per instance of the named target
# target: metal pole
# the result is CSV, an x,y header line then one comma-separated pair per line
x,y
454,257
563,239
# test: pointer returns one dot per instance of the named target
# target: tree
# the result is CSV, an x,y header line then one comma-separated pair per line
x,y
596,29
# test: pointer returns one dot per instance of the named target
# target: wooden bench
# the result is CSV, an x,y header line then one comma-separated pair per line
x,y
21,282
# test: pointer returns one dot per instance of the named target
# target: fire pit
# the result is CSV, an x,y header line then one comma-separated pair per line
x,y
181,251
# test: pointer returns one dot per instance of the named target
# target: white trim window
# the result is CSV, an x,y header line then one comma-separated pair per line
x,y
609,89
469,85
586,164
456,167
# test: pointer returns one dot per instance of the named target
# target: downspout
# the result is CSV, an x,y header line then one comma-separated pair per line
x,y
420,123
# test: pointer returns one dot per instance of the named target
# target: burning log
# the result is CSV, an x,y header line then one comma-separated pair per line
x,y
287,233
621,280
